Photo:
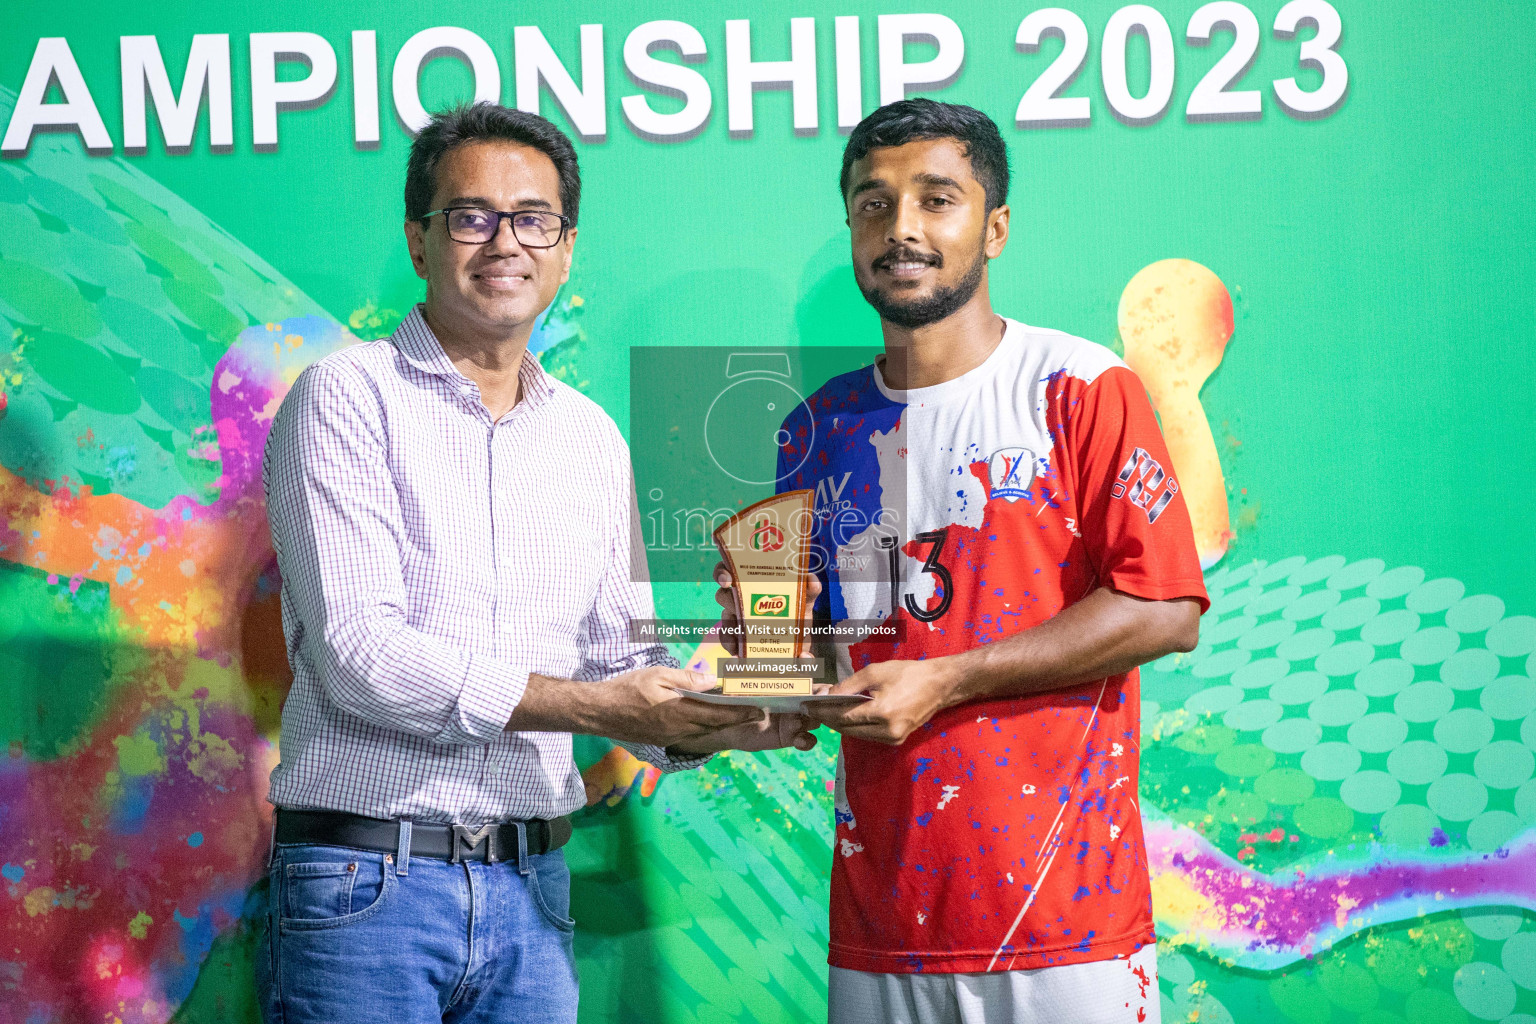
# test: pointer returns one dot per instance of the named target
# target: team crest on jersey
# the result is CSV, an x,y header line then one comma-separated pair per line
x,y
1010,471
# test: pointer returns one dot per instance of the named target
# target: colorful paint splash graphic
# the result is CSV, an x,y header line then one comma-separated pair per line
x,y
1337,782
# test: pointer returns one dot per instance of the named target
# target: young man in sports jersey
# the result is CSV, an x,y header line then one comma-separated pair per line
x,y
1006,499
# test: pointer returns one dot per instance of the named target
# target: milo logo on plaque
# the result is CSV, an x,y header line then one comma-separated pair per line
x,y
770,604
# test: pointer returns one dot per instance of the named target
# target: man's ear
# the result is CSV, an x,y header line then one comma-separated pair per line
x,y
570,250
416,242
997,232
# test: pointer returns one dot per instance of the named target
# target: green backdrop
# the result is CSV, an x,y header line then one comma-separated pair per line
x,y
1361,700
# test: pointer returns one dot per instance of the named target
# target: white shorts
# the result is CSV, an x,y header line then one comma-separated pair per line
x,y
1101,992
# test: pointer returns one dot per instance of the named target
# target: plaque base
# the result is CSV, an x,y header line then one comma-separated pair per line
x,y
778,703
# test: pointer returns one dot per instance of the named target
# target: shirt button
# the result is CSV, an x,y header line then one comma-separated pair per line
x,y
507,627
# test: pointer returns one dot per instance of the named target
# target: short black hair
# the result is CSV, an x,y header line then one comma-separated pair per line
x,y
904,121
474,122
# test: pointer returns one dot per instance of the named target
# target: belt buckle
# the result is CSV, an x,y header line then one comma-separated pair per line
x,y
471,838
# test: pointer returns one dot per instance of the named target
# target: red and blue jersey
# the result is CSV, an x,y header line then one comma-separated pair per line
x,y
1005,832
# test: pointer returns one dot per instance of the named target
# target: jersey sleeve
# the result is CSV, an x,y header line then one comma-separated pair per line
x,y
1134,521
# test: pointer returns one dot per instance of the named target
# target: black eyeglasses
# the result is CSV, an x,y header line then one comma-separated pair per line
x,y
472,225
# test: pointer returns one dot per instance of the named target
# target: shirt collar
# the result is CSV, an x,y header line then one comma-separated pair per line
x,y
415,341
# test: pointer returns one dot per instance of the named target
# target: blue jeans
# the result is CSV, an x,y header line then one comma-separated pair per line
x,y
351,938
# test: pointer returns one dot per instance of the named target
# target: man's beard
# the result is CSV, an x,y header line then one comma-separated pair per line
x,y
932,308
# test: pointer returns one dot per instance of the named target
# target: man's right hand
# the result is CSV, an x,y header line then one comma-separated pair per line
x,y
638,706
642,707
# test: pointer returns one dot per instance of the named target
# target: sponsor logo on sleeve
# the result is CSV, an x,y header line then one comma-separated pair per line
x,y
1144,483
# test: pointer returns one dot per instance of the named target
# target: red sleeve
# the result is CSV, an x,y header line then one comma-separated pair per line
x,y
1133,518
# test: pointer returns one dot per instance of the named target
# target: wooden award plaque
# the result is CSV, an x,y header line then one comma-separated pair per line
x,y
766,549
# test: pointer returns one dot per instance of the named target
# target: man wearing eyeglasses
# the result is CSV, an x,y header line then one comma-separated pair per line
x,y
454,529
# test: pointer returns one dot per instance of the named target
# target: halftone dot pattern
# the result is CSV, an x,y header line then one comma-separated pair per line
x,y
1206,739
1457,797
1370,792
1464,730
1390,627
117,299
1276,572
1338,708
1504,764
1518,955
1292,736
1194,657
1474,614
1493,925
1300,998
1394,583
1378,733
1424,702
1196,1003
1513,638
1345,659
1331,762
1525,803
1214,701
1470,669
1223,664
1246,760
1484,990
1316,571
1174,968
1347,704
1401,966
1285,786
1324,817
1509,697
1274,600
1430,646
1435,596
1384,678
1348,985
1254,715
1299,688
1263,637
1235,600
1418,762
1351,614
1356,574
1235,807
1410,825
1312,606
1266,673
1492,829
1225,631
1305,645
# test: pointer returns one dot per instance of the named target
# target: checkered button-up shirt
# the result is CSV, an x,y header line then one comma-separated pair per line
x,y
431,559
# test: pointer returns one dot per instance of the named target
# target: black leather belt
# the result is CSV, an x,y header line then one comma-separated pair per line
x,y
453,843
